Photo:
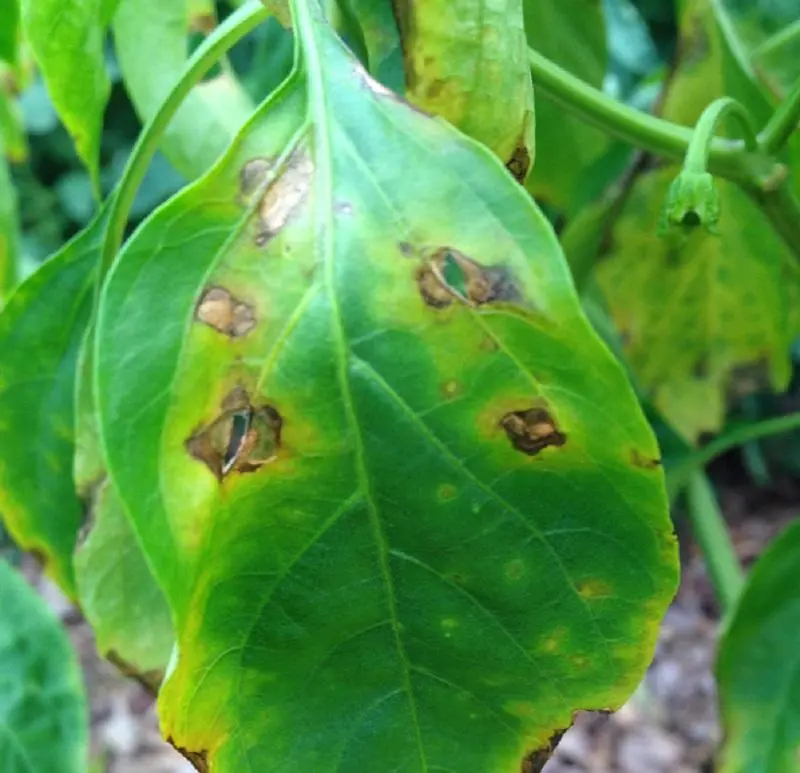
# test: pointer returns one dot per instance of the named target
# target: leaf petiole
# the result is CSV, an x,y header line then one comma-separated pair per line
x,y
782,124
699,150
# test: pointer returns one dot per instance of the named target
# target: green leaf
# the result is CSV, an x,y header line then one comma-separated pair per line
x,y
66,38
382,39
116,590
572,34
151,45
41,329
402,502
12,129
9,231
9,31
467,62
43,711
758,665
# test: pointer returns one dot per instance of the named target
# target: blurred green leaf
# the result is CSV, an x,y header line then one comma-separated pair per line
x,y
697,312
9,31
460,66
572,34
67,40
12,131
9,232
264,59
694,309
116,590
151,39
43,712
41,330
759,663
382,39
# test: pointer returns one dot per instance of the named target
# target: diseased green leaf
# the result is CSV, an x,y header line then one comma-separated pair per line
x,y
43,710
572,34
9,31
705,318
116,590
467,61
758,665
402,502
66,38
151,45
694,309
41,329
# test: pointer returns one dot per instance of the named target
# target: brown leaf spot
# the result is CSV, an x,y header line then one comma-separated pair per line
x,y
198,759
243,437
638,459
450,275
534,761
406,249
226,313
283,197
520,163
532,430
253,174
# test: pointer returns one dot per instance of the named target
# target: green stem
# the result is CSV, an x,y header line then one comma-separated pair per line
x,y
727,158
703,134
712,536
760,175
678,476
783,122
235,27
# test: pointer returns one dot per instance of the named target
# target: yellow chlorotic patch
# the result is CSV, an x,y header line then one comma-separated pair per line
x,y
515,570
595,588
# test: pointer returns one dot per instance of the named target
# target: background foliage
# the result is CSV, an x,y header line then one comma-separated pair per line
x,y
706,358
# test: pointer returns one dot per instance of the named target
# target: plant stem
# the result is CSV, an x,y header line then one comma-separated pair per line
x,y
759,174
712,536
703,134
235,27
678,476
727,158
783,122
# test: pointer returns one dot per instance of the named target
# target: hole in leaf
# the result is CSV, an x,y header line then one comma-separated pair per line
x,y
532,430
243,438
450,275
520,163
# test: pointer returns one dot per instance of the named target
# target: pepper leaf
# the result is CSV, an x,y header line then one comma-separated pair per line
x,y
399,521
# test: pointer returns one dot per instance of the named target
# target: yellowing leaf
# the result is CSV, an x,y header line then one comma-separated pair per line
x,y
467,62
401,500
66,38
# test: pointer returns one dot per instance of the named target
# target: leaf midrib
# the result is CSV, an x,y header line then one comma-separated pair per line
x,y
318,109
